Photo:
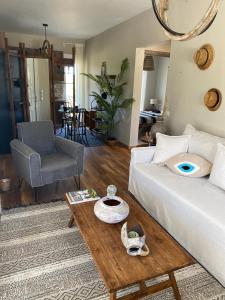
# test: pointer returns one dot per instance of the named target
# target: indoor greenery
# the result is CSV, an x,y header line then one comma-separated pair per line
x,y
110,97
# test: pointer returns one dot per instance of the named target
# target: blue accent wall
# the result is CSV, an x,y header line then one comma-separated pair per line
x,y
5,118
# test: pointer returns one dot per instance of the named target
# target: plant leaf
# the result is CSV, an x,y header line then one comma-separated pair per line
x,y
123,69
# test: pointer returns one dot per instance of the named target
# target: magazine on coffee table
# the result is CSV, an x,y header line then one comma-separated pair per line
x,y
82,196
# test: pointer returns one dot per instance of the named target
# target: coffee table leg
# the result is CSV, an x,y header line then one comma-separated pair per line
x,y
174,286
112,296
71,221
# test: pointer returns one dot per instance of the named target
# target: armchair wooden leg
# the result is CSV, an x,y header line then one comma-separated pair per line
x,y
35,194
77,181
20,182
71,222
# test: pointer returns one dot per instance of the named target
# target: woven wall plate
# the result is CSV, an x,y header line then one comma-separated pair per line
x,y
204,56
213,99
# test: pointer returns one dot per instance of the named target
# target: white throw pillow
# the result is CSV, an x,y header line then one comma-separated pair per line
x,y
203,143
169,146
217,176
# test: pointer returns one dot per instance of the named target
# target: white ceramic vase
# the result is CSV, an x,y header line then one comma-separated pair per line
x,y
111,209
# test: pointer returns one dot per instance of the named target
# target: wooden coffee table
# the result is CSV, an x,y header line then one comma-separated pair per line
x,y
117,268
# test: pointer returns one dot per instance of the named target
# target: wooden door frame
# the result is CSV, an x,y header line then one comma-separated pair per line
x,y
24,53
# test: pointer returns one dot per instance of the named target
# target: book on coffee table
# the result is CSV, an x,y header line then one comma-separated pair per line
x,y
82,196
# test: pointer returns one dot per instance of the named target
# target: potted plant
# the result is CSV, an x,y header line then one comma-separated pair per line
x,y
110,98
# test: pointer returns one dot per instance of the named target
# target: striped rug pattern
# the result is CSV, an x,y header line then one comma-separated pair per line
x,y
42,259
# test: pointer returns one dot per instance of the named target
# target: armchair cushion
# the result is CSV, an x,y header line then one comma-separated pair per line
x,y
41,158
73,150
57,166
38,135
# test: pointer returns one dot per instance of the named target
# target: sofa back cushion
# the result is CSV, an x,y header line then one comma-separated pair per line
x,y
37,135
169,146
203,143
217,176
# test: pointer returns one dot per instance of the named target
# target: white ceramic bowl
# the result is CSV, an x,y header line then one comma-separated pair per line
x,y
111,209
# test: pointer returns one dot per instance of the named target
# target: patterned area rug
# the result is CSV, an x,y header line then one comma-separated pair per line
x,y
42,259
93,140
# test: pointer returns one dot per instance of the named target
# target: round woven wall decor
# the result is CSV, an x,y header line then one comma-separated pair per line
x,y
213,99
204,56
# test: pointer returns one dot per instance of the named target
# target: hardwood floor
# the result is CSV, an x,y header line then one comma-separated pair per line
x,y
103,165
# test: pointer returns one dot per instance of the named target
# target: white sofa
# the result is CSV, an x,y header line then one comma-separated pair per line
x,y
191,209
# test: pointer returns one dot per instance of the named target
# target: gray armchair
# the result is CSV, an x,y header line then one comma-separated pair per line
x,y
41,158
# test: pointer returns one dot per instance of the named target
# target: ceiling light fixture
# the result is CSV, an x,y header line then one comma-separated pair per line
x,y
46,44
201,27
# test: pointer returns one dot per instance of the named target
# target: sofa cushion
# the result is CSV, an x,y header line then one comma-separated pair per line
x,y
199,193
217,175
203,143
190,209
191,165
168,146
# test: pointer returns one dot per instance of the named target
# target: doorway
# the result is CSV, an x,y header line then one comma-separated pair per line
x,y
147,86
153,92
38,89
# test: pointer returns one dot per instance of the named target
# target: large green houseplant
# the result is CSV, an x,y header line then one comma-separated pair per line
x,y
110,97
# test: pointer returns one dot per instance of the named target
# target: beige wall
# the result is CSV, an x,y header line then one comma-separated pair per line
x,y
2,36
117,43
187,84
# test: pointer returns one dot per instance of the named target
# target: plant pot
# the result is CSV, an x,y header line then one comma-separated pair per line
x,y
5,184
111,141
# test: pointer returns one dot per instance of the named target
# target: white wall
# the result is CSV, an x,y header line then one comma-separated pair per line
x,y
148,85
161,80
117,43
187,84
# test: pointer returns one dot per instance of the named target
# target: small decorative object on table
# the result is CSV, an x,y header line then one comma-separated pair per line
x,y
134,240
111,190
5,184
82,196
153,103
111,209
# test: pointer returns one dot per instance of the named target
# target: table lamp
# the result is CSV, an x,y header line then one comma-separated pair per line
x,y
153,103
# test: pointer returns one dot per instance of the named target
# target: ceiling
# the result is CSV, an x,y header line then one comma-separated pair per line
x,y
78,19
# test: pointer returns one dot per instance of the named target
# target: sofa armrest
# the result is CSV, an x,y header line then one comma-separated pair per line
x,y
72,149
142,155
27,162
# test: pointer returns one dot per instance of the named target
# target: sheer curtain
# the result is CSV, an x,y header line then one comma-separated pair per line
x,y
79,68
79,79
